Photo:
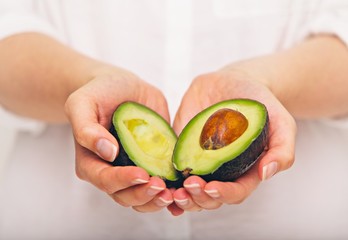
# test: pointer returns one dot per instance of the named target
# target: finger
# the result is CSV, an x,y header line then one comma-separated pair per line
x,y
161,200
175,210
187,109
105,177
281,149
97,139
234,192
195,185
184,201
87,130
196,98
141,194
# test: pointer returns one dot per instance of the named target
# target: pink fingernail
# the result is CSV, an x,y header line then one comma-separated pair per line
x,y
269,170
162,202
193,188
106,150
139,181
181,202
153,190
212,193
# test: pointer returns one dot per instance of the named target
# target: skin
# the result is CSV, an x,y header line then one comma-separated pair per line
x,y
58,84
291,84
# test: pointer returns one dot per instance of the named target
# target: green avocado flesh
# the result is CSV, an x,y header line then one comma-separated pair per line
x,y
231,160
145,138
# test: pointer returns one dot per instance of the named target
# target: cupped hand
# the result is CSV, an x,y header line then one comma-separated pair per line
x,y
89,110
226,84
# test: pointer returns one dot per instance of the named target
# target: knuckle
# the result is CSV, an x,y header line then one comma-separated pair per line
x,y
78,172
236,201
192,207
86,136
104,184
119,201
195,209
239,201
79,134
139,199
242,192
140,209
137,209
67,104
212,206
288,160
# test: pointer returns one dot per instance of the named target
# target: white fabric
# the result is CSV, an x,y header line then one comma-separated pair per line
x,y
168,43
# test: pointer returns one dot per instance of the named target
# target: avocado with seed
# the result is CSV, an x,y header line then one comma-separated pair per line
x,y
223,141
145,139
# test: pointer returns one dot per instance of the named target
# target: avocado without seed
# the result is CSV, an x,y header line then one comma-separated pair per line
x,y
223,141
145,140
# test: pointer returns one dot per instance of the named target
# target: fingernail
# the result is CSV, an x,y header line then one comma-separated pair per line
x,y
193,188
269,170
212,193
106,149
161,202
139,181
181,202
153,190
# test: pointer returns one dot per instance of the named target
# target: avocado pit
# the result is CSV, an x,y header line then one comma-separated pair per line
x,y
222,128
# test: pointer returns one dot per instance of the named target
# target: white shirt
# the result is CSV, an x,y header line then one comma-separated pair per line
x,y
168,43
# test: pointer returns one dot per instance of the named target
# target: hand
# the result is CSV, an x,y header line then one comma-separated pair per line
x,y
90,110
226,84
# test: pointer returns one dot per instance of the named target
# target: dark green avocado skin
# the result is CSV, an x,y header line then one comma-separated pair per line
x,y
233,169
123,160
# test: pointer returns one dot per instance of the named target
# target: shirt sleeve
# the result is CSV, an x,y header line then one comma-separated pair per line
x,y
18,17
331,18
26,16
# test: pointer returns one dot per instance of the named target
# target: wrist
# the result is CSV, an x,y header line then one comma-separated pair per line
x,y
258,70
92,69
277,72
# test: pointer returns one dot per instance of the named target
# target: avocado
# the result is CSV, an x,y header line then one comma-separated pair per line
x,y
223,141
145,140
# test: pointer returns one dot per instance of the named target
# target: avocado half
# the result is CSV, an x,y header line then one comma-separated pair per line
x,y
223,141
145,140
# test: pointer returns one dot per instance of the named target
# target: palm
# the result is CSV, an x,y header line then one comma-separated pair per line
x,y
106,93
211,88
90,111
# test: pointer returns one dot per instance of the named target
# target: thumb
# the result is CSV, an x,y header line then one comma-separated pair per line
x,y
97,139
281,150
187,110
87,130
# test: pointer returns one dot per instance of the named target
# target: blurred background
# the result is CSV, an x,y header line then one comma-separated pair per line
x,y
10,126
7,137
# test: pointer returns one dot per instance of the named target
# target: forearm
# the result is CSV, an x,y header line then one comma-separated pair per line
x,y
310,79
38,73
